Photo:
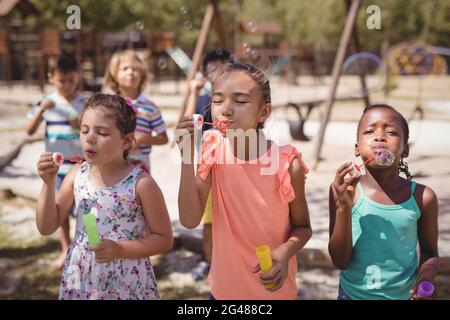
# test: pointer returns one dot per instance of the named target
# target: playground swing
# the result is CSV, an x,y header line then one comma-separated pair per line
x,y
304,108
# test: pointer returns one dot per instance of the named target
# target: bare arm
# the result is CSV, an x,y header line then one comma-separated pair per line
x,y
195,87
428,236
341,197
148,139
51,210
299,214
193,191
33,123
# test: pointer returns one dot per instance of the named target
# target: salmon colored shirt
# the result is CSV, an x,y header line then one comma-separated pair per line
x,y
250,208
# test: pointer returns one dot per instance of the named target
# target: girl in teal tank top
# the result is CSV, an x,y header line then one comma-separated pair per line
x,y
378,219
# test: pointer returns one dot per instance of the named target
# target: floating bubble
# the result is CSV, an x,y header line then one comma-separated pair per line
x,y
162,63
247,48
183,10
251,26
139,25
187,25
368,64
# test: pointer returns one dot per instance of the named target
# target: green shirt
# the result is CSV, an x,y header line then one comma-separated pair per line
x,y
384,262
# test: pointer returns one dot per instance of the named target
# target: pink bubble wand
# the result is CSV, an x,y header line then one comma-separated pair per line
x,y
222,125
58,158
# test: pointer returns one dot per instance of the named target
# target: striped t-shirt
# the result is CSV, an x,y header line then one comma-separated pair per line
x,y
59,135
149,120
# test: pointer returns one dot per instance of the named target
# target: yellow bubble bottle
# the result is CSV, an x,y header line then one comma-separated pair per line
x,y
264,255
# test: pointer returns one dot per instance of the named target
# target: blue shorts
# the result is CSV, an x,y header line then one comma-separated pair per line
x,y
58,183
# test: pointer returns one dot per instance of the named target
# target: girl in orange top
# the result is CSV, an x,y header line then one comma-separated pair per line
x,y
258,190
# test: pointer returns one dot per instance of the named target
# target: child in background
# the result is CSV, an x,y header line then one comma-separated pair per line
x,y
251,206
377,220
126,75
199,101
125,200
60,111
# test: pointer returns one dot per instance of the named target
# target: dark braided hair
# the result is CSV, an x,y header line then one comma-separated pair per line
x,y
117,108
403,166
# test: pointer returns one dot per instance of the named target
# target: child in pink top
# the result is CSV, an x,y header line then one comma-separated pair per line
x,y
258,190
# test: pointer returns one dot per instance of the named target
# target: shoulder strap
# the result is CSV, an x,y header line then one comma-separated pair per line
x,y
360,188
413,188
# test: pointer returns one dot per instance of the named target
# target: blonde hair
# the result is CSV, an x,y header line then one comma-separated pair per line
x,y
113,69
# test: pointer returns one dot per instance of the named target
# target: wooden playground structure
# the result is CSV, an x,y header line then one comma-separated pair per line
x,y
94,49
24,53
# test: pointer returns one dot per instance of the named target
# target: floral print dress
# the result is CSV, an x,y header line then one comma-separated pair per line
x,y
119,217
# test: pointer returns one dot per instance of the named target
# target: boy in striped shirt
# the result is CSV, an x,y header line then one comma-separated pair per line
x,y
60,111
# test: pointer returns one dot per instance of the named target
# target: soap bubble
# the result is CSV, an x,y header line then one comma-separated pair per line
x,y
162,63
183,10
384,157
139,25
251,26
247,48
187,25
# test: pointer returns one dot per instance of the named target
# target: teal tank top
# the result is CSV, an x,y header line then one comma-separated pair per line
x,y
384,263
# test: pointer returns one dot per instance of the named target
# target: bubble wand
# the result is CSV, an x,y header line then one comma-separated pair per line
x,y
90,225
357,169
221,124
58,158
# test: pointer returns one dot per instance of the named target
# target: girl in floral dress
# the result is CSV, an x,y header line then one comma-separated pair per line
x,y
124,199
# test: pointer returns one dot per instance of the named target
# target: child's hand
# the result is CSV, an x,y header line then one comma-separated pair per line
x,y
134,150
75,123
345,188
197,84
184,131
277,274
106,251
47,168
47,104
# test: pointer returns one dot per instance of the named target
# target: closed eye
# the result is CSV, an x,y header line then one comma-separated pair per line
x,y
394,133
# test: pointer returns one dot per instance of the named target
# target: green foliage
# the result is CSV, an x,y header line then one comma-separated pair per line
x,y
319,22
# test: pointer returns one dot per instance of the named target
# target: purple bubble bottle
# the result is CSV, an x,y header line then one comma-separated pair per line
x,y
426,289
